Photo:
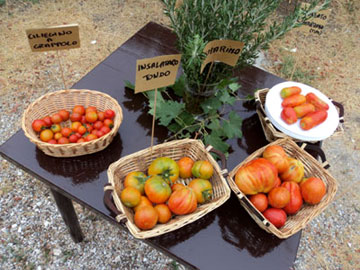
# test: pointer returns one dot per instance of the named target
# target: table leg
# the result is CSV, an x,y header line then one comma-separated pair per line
x,y
69,216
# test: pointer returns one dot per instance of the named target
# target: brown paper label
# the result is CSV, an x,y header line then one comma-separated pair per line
x,y
226,51
315,25
60,37
156,72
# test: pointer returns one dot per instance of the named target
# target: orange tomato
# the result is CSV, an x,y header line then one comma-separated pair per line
x,y
57,135
46,135
146,217
56,118
277,156
90,109
143,201
90,137
157,189
295,171
136,180
130,196
164,213
64,114
279,197
91,116
313,190
182,201
185,166
79,109
75,126
66,131
177,186
202,169
260,201
202,188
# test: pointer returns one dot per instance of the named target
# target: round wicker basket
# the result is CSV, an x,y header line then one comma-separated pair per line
x,y
66,99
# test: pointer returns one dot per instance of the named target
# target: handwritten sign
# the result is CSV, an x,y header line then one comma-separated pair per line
x,y
226,51
156,72
315,25
54,38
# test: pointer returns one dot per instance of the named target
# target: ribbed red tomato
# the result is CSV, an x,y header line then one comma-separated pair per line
x,y
182,201
277,156
296,200
295,171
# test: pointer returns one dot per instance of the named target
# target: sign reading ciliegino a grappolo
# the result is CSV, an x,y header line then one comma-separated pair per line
x,y
54,38
156,72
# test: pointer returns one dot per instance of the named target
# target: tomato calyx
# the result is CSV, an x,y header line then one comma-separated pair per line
x,y
142,179
207,194
166,174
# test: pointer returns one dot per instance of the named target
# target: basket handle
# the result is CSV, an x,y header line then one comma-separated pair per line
x,y
341,110
224,172
251,207
120,217
319,151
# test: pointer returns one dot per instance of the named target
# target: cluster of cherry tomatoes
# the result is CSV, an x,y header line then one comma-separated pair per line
x,y
158,195
86,124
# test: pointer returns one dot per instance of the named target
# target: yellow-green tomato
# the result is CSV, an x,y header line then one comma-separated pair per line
x,y
136,180
202,188
165,167
202,169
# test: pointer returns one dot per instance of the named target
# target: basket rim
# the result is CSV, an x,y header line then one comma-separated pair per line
x,y
271,228
37,141
142,234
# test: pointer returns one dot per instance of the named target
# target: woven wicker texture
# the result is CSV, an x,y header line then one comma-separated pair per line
x,y
298,221
66,99
272,133
141,160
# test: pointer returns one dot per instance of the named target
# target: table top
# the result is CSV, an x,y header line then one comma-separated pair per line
x,y
226,236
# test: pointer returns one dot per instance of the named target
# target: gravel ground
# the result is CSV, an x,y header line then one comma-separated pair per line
x,y
32,233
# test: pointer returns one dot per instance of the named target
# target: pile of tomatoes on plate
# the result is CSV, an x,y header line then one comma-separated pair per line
x,y
276,185
86,124
158,195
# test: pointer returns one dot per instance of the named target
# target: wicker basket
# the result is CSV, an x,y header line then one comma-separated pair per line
x,y
66,99
272,133
298,221
141,160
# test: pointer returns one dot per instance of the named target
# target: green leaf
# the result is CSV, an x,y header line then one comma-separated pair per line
x,y
226,98
174,127
234,87
211,105
186,118
129,85
232,127
179,86
168,110
216,142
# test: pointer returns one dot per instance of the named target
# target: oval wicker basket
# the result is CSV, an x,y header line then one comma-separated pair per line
x,y
141,160
312,167
66,99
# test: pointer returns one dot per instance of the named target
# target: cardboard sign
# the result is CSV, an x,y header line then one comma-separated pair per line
x,y
54,38
315,25
226,51
156,72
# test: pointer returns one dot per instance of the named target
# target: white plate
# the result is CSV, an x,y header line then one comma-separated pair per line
x,y
273,110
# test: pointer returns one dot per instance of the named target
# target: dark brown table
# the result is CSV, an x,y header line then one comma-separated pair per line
x,y
226,238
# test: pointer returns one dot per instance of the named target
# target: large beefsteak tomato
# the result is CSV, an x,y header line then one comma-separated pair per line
x,y
165,167
183,201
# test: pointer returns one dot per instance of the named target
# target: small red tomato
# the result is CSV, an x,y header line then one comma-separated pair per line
x,y
109,123
75,117
55,128
105,129
56,118
90,109
78,135
93,131
83,119
109,114
99,133
80,140
47,120
90,137
57,135
46,135
81,129
79,109
66,132
98,124
73,138
52,141
64,114
63,140
38,125
75,126
89,127
101,116
91,117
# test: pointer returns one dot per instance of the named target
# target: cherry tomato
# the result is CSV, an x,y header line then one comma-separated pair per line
x,y
73,138
109,123
109,114
83,119
75,117
75,126
47,120
64,114
38,125
94,131
46,135
52,141
99,133
63,140
90,109
57,135
82,130
66,132
101,116
90,137
91,117
105,129
79,109
89,127
56,118
98,124
81,140
55,128
78,135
